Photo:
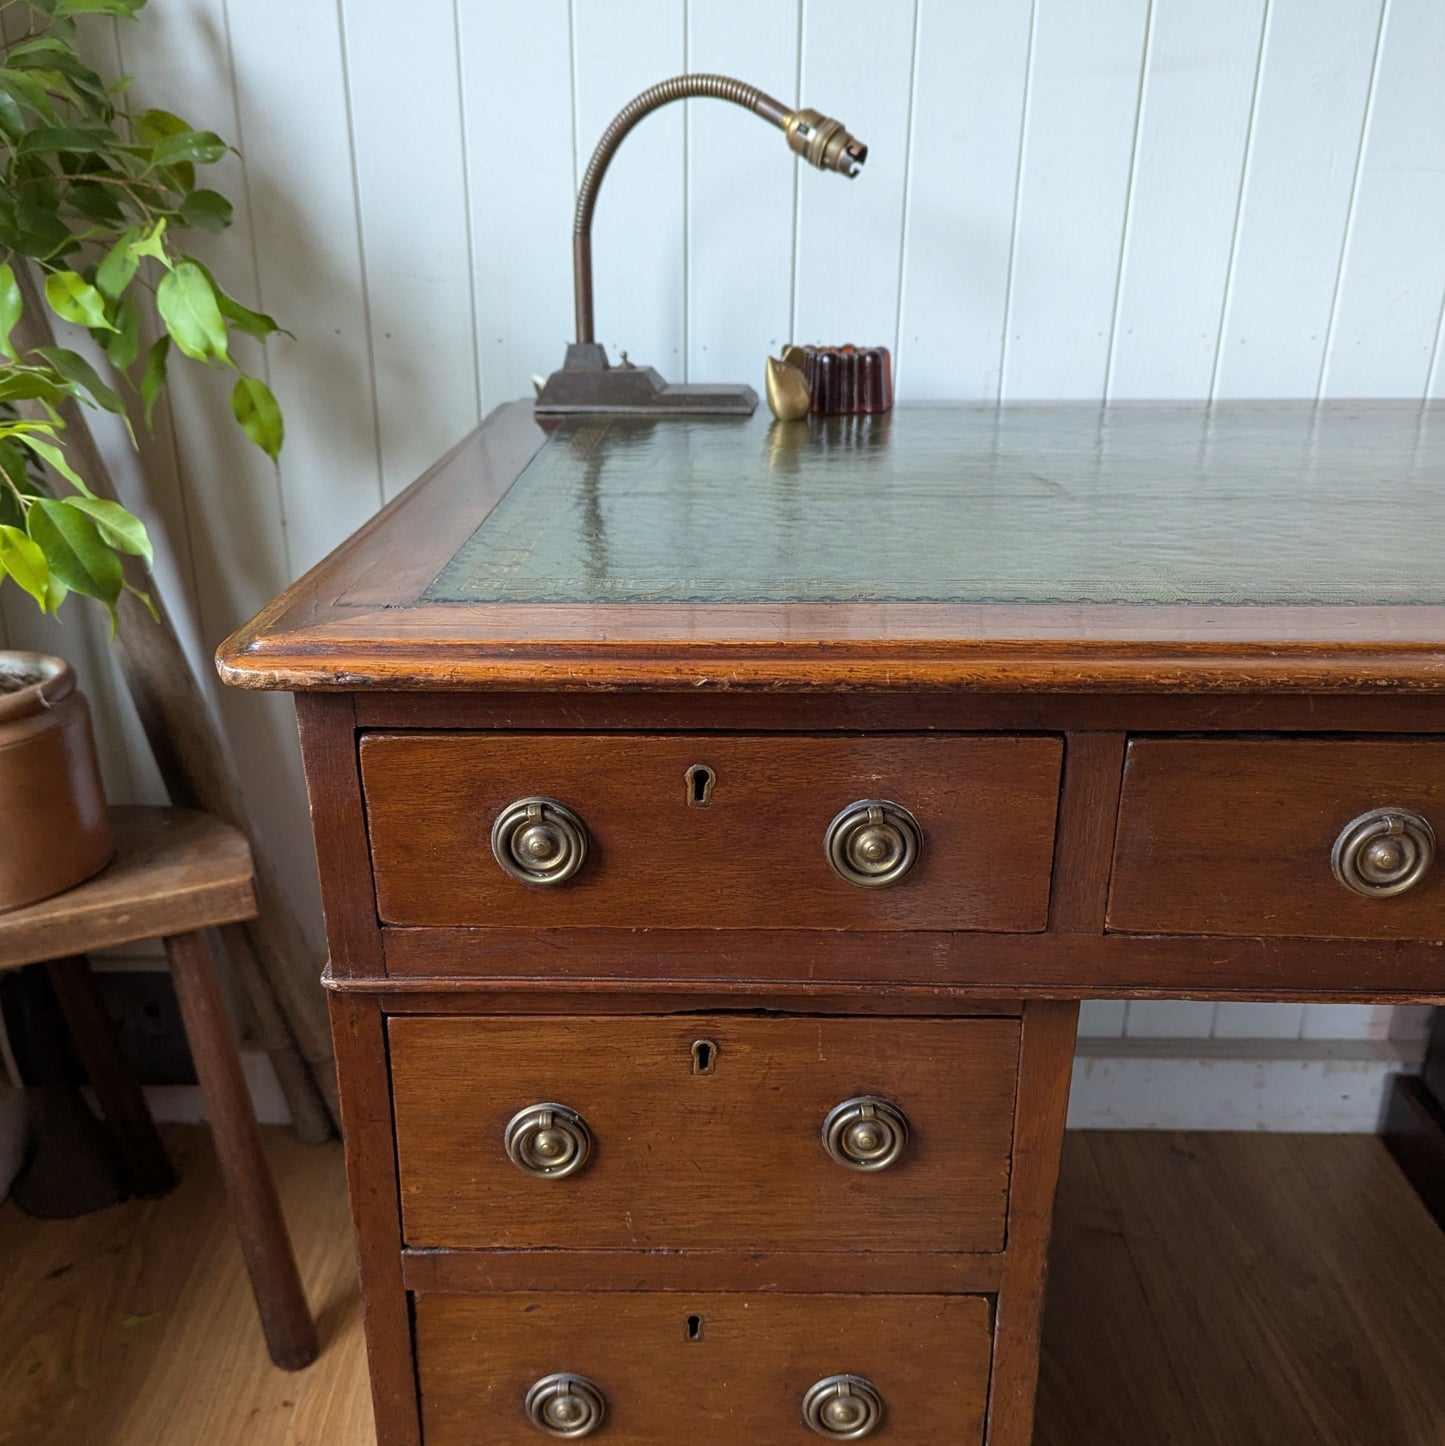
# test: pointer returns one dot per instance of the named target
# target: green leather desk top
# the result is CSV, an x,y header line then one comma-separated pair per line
x,y
1245,504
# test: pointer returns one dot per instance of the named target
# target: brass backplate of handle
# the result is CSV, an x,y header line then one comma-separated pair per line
x,y
566,1406
873,843
548,1141
865,1133
1384,852
843,1408
539,841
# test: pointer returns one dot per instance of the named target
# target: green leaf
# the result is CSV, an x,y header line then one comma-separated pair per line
x,y
67,8
12,118
123,345
151,126
188,307
153,381
253,323
73,298
25,384
27,93
80,140
32,230
10,307
49,452
202,147
22,559
114,273
94,201
75,550
152,243
259,414
209,210
75,369
122,530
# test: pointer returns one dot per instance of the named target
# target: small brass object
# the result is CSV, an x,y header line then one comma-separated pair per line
x,y
865,1133
548,1141
843,1408
1384,852
704,1056
539,841
873,843
787,390
567,1406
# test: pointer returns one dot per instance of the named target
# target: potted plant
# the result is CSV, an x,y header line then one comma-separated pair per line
x,y
95,202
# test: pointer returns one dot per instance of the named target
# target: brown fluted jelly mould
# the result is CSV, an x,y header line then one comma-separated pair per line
x,y
847,380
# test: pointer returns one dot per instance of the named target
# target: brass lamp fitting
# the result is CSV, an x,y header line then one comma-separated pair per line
x,y
586,382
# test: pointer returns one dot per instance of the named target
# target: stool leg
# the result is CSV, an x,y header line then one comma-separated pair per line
x,y
137,1141
285,1318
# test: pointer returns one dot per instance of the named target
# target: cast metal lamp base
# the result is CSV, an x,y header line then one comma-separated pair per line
x,y
587,382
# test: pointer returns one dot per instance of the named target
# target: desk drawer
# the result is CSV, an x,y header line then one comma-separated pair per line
x,y
713,832
704,1132
1242,836
727,1370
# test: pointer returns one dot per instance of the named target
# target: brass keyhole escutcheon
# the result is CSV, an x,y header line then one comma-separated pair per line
x,y
700,780
843,1408
1384,852
539,841
704,1056
873,843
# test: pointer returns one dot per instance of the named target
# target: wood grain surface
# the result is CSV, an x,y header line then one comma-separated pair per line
x,y
355,622
174,871
1241,1290
731,1159
1233,836
1311,1318
753,857
741,1383
135,1326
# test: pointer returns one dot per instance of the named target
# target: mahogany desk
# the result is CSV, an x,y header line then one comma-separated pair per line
x,y
719,822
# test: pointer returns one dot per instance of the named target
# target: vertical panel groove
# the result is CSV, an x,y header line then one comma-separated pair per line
x,y
1013,248
907,190
686,198
1434,381
462,119
1348,234
365,298
797,188
1144,58
1244,172
254,248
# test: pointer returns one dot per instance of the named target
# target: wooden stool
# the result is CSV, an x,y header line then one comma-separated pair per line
x,y
174,874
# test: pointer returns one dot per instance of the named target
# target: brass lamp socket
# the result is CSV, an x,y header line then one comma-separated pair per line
x,y
824,142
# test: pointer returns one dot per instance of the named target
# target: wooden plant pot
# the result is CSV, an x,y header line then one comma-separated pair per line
x,y
56,831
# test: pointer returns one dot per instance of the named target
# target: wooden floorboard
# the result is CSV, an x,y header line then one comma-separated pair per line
x,y
1205,1290
134,1326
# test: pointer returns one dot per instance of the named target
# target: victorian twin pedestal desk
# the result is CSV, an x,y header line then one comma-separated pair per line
x,y
719,822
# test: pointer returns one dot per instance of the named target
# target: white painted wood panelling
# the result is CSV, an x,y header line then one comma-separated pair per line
x,y
1309,115
1194,111
968,107
1130,198
1076,160
1387,311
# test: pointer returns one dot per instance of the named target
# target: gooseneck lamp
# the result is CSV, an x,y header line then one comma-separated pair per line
x,y
587,382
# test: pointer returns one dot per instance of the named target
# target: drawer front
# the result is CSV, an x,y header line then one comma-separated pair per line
x,y
1238,836
728,1370
741,846
733,1158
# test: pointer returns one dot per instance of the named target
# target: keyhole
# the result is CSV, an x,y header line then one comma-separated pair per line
x,y
700,780
704,1056
694,1327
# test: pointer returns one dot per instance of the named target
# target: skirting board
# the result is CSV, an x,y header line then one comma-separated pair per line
x,y
1275,1085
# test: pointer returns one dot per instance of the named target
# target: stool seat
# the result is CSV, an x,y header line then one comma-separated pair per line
x,y
174,871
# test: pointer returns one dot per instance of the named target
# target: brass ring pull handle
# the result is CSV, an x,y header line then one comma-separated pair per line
x,y
548,1141
843,1408
1384,852
873,843
865,1133
539,841
568,1406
